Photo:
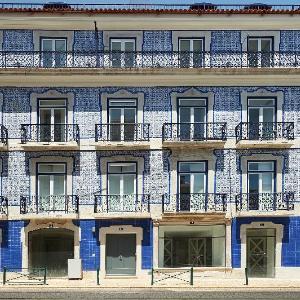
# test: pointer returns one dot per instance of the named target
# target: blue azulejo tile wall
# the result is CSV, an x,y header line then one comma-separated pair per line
x,y
90,245
290,242
11,245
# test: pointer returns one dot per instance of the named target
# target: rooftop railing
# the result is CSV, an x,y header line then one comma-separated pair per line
x,y
145,6
148,59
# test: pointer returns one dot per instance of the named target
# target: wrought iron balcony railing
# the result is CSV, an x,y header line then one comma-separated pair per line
x,y
3,206
265,201
149,59
264,131
122,203
194,131
4,135
200,202
49,133
128,132
49,204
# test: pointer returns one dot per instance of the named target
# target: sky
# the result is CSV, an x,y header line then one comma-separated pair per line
x,y
274,2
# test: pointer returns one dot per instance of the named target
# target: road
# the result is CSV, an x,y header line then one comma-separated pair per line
x,y
124,294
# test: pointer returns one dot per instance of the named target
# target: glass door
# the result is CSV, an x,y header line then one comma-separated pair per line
x,y
260,52
261,185
262,119
51,187
122,119
192,186
261,246
192,119
191,53
121,186
53,52
52,121
122,53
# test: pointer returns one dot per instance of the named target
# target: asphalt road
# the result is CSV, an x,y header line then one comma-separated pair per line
x,y
41,294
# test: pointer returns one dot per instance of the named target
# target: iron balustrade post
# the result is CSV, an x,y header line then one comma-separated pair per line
x,y
45,275
163,203
192,276
4,275
152,274
246,276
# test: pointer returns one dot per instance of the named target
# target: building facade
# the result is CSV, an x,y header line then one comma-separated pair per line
x,y
139,139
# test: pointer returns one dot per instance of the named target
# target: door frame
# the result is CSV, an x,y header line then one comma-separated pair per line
x,y
262,225
120,229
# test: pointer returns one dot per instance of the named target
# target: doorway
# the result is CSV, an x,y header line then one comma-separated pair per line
x,y
120,254
51,248
261,252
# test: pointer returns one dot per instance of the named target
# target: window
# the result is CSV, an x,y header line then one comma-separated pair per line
x,y
192,114
53,52
196,246
52,120
122,186
192,178
191,52
262,118
51,186
261,183
122,52
260,51
122,119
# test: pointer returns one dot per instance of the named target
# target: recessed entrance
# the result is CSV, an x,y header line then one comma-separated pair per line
x,y
261,252
120,254
51,248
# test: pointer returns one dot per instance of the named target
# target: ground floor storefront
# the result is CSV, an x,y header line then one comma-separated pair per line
x,y
136,248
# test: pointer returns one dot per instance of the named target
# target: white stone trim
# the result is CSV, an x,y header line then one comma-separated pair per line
x,y
109,34
42,224
176,35
189,156
122,94
262,157
51,159
228,261
37,34
120,229
260,33
262,93
121,158
261,225
51,94
193,93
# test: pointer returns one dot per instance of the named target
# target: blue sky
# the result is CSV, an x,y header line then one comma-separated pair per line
x,y
284,2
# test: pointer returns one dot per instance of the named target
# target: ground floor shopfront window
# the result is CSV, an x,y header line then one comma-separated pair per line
x,y
192,246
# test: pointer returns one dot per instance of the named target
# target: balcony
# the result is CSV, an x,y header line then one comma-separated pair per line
x,y
3,207
201,135
128,136
50,137
148,59
264,203
119,205
54,205
265,135
195,203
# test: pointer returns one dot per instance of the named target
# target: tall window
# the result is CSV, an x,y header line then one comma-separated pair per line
x,y
122,117
260,51
122,52
122,186
261,118
261,183
192,177
53,52
52,120
191,53
192,118
51,186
